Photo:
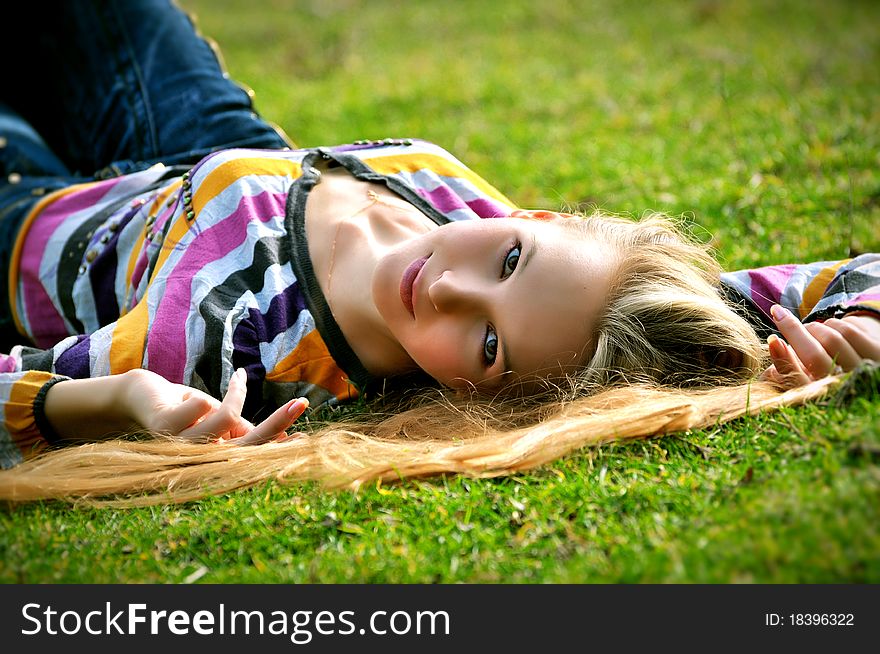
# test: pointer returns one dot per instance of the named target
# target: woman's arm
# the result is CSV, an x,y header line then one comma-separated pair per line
x,y
140,400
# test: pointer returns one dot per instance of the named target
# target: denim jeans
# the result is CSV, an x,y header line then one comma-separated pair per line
x,y
104,88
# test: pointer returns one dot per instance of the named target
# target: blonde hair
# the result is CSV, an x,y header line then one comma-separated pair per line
x,y
665,320
670,355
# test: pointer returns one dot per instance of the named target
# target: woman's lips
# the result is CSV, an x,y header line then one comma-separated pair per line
x,y
407,283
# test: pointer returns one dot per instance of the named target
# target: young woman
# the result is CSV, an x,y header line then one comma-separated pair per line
x,y
210,282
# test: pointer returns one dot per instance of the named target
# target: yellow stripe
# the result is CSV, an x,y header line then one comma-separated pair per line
x,y
215,183
310,361
412,163
19,416
19,410
132,261
226,173
816,288
129,339
155,210
15,261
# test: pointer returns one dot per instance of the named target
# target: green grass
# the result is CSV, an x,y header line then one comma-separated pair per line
x,y
760,121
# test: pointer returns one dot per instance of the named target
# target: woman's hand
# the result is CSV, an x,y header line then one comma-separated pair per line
x,y
817,349
155,404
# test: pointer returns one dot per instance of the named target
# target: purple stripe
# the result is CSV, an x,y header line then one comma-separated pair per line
x,y
46,325
166,345
486,208
246,354
102,273
768,283
74,362
283,312
140,266
864,297
85,198
446,200
443,199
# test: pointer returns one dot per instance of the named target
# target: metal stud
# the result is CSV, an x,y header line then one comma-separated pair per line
x,y
105,238
91,255
190,215
113,226
82,270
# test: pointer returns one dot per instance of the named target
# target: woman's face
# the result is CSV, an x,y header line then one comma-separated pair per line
x,y
493,301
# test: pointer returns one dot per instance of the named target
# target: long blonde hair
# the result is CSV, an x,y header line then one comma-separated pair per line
x,y
670,355
665,321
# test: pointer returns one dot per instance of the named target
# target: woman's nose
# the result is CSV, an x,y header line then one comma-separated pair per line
x,y
450,293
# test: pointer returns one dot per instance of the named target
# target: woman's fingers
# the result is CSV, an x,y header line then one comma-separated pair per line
x,y
861,332
236,392
820,348
836,345
226,420
808,350
275,426
787,370
185,414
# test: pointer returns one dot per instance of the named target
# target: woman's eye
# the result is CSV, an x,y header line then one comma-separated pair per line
x,y
490,346
510,261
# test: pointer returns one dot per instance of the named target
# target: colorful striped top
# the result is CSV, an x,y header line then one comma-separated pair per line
x,y
813,291
193,275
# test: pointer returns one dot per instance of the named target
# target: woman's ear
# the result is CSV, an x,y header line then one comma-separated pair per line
x,y
534,214
721,357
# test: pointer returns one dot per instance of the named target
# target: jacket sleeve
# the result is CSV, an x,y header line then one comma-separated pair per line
x,y
813,291
24,430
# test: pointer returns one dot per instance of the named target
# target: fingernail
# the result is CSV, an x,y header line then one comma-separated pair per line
x,y
241,373
778,312
298,406
774,341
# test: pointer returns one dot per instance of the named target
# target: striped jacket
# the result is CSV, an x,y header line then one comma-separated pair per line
x,y
194,275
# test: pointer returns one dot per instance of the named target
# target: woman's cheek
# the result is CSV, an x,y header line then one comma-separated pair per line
x,y
443,358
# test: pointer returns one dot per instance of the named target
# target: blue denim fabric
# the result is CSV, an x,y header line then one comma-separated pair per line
x,y
104,88
127,83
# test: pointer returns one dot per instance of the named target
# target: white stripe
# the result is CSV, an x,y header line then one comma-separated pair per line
x,y
99,351
285,342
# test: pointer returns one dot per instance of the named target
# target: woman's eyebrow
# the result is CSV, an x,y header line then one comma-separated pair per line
x,y
530,252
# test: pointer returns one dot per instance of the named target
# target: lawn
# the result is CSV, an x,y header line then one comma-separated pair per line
x,y
758,121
